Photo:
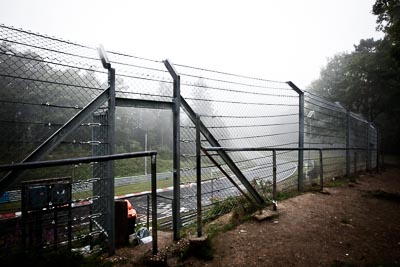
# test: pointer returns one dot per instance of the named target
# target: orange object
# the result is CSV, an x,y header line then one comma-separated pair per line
x,y
131,211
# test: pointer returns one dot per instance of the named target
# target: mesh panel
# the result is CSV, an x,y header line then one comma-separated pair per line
x,y
239,112
46,81
324,127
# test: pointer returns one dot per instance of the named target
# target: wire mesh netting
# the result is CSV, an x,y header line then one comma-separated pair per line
x,y
45,82
359,137
141,78
239,112
324,127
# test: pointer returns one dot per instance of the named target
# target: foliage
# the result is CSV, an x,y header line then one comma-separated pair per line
x,y
220,207
283,195
388,20
366,81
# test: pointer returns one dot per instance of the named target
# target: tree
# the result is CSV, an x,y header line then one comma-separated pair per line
x,y
367,81
388,20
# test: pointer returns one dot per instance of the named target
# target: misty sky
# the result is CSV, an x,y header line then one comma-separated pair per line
x,y
277,40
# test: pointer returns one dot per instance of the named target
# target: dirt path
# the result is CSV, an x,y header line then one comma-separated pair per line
x,y
354,225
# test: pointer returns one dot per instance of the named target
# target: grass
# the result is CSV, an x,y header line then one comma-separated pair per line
x,y
339,181
283,195
140,187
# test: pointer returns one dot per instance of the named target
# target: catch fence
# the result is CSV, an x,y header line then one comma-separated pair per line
x,y
60,99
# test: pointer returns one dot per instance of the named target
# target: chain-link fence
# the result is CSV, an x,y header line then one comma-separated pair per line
x,y
46,85
325,126
56,102
238,111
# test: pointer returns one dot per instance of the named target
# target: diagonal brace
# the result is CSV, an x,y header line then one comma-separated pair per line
x,y
55,139
211,139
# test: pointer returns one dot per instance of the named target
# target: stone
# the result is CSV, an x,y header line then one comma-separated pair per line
x,y
265,214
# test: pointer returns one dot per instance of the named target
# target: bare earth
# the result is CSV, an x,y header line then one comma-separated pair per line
x,y
356,224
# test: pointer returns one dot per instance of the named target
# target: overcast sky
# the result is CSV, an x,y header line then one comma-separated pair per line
x,y
277,40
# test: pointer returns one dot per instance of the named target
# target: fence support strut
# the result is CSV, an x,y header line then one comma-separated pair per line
x,y
198,175
231,164
176,204
55,139
109,183
301,135
274,193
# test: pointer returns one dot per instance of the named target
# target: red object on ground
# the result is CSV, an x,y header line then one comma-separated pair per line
x,y
131,211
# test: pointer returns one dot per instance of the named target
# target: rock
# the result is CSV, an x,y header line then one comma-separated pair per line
x,y
265,214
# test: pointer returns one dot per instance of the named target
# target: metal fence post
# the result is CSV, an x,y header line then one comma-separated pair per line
x,y
321,169
348,118
355,162
301,135
198,175
368,167
378,148
176,220
154,203
274,194
109,183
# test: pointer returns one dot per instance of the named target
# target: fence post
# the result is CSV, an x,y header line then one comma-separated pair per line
x,y
348,160
355,162
301,135
109,185
111,143
148,211
321,170
368,167
378,147
154,203
198,175
274,194
176,203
